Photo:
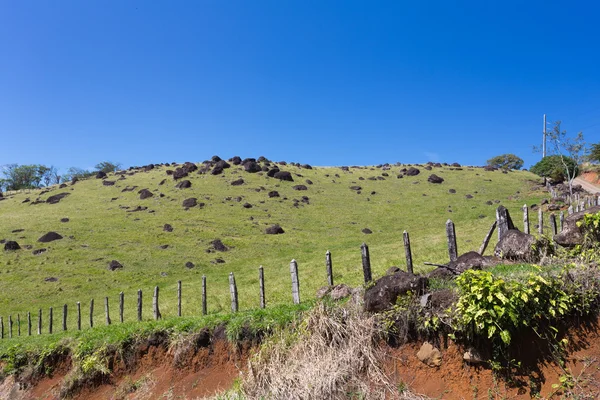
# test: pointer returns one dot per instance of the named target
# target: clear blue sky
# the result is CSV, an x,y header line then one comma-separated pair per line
x,y
319,82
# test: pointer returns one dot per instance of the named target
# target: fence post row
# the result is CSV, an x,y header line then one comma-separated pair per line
x,y
155,304
295,282
121,306
553,224
10,327
366,263
329,268
261,282
526,219
407,252
540,221
233,292
204,305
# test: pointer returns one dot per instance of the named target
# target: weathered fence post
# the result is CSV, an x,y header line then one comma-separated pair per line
x,y
295,282
179,298
121,307
18,325
451,234
540,221
64,319
407,252
78,316
40,322
1,328
526,219
50,321
28,323
139,305
106,311
10,327
553,224
155,304
561,219
366,263
504,221
570,209
261,282
487,238
233,292
329,268
91,313
204,305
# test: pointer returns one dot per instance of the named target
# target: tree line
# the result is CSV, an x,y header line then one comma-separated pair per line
x,y
33,176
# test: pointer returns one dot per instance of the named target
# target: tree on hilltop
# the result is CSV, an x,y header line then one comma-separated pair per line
x,y
506,161
107,166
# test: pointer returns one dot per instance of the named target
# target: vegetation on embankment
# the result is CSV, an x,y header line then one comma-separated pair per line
x,y
100,228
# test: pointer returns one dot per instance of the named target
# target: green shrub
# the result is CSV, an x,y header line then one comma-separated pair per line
x,y
553,167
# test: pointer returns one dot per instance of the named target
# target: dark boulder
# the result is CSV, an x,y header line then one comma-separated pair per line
x,y
167,228
309,182
274,230
247,205
11,245
284,176
300,187
191,202
100,175
355,188
367,231
218,245
222,164
271,173
108,183
252,167
114,264
216,171
470,260
273,193
37,252
189,265
237,182
385,291
412,171
519,246
179,173
236,160
49,237
64,220
433,178
56,198
572,234
145,194
452,191
185,184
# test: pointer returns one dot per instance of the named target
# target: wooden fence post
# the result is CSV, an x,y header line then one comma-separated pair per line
x,y
155,308
329,268
366,263
295,282
50,321
10,327
204,305
40,322
526,219
540,221
139,305
1,328
408,252
451,234
78,316
179,298
18,325
561,219
91,313
553,224
28,323
106,311
121,307
64,319
504,221
261,282
233,292
570,209
487,238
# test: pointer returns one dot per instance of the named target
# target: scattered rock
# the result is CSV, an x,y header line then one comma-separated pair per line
x,y
284,176
273,193
50,279
108,183
64,220
11,245
185,184
572,234
472,356
39,251
191,202
145,193
468,196
300,187
519,246
189,265
237,182
386,290
167,228
412,171
469,260
56,198
433,178
218,245
252,167
100,175
49,237
339,292
430,355
309,182
367,231
114,264
274,230
247,205
452,191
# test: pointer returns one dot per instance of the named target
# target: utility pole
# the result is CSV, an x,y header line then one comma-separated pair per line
x,y
544,139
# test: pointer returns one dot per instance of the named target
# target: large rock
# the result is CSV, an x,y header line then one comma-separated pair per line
x,y
49,237
386,290
252,167
191,202
433,178
572,234
56,198
519,246
470,260
274,230
284,176
430,355
412,171
11,245
145,194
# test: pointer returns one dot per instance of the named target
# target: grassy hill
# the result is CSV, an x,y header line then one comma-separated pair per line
x,y
102,228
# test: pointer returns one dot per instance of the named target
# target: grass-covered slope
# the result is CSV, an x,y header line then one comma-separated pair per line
x,y
100,229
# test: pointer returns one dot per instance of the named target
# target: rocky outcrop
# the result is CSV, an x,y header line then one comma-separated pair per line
x,y
572,234
386,290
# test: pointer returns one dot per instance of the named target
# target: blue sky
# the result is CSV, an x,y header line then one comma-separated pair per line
x,y
319,82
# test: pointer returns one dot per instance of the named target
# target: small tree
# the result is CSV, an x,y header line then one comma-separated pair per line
x,y
553,167
78,173
566,147
594,154
107,166
506,161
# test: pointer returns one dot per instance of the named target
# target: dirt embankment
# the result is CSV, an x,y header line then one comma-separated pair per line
x,y
199,370
591,177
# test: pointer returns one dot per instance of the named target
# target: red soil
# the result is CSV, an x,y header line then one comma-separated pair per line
x,y
591,177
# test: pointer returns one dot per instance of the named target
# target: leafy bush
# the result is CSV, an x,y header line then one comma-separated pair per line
x,y
553,167
506,161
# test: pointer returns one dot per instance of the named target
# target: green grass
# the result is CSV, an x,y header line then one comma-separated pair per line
x,y
100,231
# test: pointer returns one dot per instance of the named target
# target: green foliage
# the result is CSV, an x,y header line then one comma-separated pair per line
x,y
107,166
498,309
594,153
553,167
78,173
506,161
18,177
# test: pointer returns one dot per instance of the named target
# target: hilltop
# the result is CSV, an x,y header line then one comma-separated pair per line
x,y
138,218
